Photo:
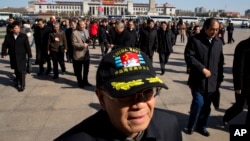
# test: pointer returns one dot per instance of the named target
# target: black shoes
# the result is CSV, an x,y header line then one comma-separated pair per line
x,y
225,123
47,72
20,89
188,131
55,77
203,132
87,84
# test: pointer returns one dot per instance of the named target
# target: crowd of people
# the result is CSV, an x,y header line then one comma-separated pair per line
x,y
128,108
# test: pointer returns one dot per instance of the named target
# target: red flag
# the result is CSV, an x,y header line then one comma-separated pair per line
x,y
42,0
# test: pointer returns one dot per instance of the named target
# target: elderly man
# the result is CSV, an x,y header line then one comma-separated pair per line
x,y
127,87
81,57
204,55
119,36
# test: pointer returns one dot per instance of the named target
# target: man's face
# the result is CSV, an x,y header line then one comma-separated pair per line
x,y
56,28
197,30
119,29
129,118
67,22
73,25
40,24
131,25
164,26
151,25
212,30
82,25
16,29
11,20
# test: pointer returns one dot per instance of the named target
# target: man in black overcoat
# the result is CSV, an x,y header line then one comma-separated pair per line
x,y
16,45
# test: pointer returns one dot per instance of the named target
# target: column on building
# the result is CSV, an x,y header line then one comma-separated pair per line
x,y
130,7
95,10
85,7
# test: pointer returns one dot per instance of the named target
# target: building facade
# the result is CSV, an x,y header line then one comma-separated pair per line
x,y
200,10
247,13
95,8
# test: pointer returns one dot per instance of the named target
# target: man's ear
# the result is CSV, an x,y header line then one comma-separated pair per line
x,y
100,97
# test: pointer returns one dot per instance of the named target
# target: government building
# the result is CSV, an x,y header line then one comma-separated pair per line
x,y
97,7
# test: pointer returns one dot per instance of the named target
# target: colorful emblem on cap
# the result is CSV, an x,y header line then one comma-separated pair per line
x,y
129,59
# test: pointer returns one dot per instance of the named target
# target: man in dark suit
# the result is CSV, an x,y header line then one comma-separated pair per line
x,y
41,36
148,40
126,87
104,36
166,40
132,33
203,53
119,36
18,48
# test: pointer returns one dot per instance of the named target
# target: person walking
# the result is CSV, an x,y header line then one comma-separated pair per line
x,y
57,46
16,45
203,53
166,40
41,36
241,82
148,40
93,31
81,57
230,30
103,36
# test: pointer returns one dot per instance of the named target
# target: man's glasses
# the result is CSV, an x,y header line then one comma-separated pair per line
x,y
144,95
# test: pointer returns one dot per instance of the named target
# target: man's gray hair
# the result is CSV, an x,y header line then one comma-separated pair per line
x,y
56,24
119,24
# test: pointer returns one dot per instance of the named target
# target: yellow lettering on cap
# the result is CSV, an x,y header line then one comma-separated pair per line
x,y
126,85
154,79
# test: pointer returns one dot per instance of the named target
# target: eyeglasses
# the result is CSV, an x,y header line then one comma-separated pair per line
x,y
144,95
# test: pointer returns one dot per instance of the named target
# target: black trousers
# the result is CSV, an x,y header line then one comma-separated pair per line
x,y
163,57
81,70
104,46
94,40
236,108
20,78
230,38
44,57
216,98
57,57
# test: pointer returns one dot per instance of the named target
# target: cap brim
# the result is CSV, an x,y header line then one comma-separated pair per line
x,y
126,85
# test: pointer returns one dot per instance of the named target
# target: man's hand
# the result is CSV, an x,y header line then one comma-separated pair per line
x,y
237,91
48,52
85,45
206,72
4,56
110,45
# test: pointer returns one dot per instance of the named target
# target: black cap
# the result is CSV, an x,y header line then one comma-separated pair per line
x,y
126,71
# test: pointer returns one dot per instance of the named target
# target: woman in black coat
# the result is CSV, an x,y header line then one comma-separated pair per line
x,y
18,47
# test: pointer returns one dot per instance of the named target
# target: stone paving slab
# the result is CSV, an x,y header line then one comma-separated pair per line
x,y
49,107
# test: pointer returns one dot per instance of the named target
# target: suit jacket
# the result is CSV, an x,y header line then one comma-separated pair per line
x,y
54,45
165,41
199,54
162,127
18,49
79,52
148,40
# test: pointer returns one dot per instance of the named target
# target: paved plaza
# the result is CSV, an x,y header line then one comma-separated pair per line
x,y
49,107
